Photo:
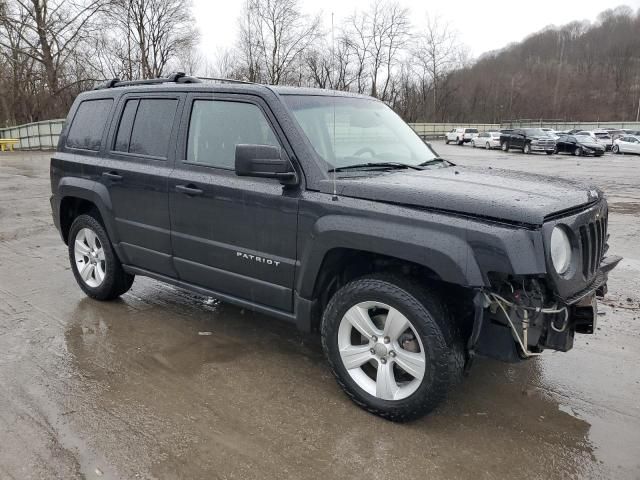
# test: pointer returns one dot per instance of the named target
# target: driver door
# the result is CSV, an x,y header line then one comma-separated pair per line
x,y
233,235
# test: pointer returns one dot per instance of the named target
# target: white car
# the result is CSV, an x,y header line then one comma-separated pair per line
x,y
600,136
627,144
486,140
461,135
551,132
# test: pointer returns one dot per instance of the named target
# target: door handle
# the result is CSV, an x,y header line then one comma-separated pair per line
x,y
190,190
112,176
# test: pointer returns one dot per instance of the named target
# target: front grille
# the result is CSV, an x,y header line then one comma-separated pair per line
x,y
593,238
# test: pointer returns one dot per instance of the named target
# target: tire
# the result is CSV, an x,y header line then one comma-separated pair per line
x,y
446,140
615,149
430,334
526,149
487,146
505,146
550,152
460,142
578,151
104,277
473,144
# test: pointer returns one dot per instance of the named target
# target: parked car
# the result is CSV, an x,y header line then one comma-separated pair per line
x,y
600,136
632,132
616,133
487,140
551,132
579,145
528,140
406,265
461,135
627,144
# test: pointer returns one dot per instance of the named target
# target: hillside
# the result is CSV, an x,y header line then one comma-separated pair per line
x,y
579,71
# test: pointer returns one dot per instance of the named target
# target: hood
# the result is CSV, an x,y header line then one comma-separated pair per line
x,y
542,137
504,195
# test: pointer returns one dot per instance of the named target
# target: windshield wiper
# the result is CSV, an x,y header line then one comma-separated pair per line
x,y
382,165
435,160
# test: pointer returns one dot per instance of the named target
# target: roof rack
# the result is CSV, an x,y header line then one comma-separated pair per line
x,y
226,80
177,77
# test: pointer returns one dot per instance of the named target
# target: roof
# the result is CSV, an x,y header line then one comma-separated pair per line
x,y
180,82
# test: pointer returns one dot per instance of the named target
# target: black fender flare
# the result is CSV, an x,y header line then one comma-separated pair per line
x,y
93,192
446,253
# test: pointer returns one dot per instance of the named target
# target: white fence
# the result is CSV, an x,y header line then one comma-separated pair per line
x,y
35,136
44,135
437,130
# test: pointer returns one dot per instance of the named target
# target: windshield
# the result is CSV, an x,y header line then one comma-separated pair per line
x,y
347,131
602,135
534,131
584,137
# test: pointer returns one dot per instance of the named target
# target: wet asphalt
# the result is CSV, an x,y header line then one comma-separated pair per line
x,y
133,389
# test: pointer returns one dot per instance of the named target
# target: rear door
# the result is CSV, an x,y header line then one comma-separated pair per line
x,y
233,235
135,171
517,138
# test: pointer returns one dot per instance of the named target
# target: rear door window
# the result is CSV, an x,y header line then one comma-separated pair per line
x,y
88,124
145,126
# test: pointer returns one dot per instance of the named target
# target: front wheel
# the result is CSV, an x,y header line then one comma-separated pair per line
x,y
527,148
578,151
473,143
95,265
387,345
446,140
550,152
487,146
460,142
615,149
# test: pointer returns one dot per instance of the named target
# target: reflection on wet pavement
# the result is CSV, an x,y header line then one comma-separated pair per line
x,y
133,389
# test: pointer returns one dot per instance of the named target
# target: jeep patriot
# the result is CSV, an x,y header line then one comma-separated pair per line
x,y
326,210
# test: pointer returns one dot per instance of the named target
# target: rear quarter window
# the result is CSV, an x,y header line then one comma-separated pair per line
x,y
88,124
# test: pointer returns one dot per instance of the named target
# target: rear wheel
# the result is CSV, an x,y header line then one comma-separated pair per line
x,y
387,343
460,142
487,146
446,140
505,146
473,143
577,151
527,148
550,152
97,269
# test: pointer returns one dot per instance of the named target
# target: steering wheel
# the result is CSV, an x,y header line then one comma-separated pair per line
x,y
364,150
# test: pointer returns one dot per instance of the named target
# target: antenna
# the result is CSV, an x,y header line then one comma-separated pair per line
x,y
333,102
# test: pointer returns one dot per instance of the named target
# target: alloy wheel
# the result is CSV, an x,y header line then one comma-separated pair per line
x,y
89,257
381,350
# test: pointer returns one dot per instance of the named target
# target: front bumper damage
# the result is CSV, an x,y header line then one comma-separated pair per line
x,y
522,318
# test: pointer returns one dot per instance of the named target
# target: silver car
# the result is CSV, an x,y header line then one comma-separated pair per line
x,y
486,140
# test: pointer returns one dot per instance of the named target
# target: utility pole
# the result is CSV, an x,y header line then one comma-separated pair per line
x,y
638,112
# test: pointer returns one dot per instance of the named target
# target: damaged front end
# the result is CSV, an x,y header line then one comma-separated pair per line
x,y
519,316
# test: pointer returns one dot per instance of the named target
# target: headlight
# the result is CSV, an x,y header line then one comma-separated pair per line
x,y
560,250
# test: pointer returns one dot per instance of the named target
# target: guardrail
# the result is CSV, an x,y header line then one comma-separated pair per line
x,y
568,125
35,136
438,130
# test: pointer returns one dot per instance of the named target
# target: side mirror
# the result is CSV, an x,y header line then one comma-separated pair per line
x,y
264,161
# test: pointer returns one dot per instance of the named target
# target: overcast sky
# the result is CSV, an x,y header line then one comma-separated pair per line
x,y
481,25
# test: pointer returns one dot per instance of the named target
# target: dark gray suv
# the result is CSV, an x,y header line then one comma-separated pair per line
x,y
326,210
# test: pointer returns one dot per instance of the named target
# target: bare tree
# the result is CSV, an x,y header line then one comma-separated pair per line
x,y
274,37
437,53
49,32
